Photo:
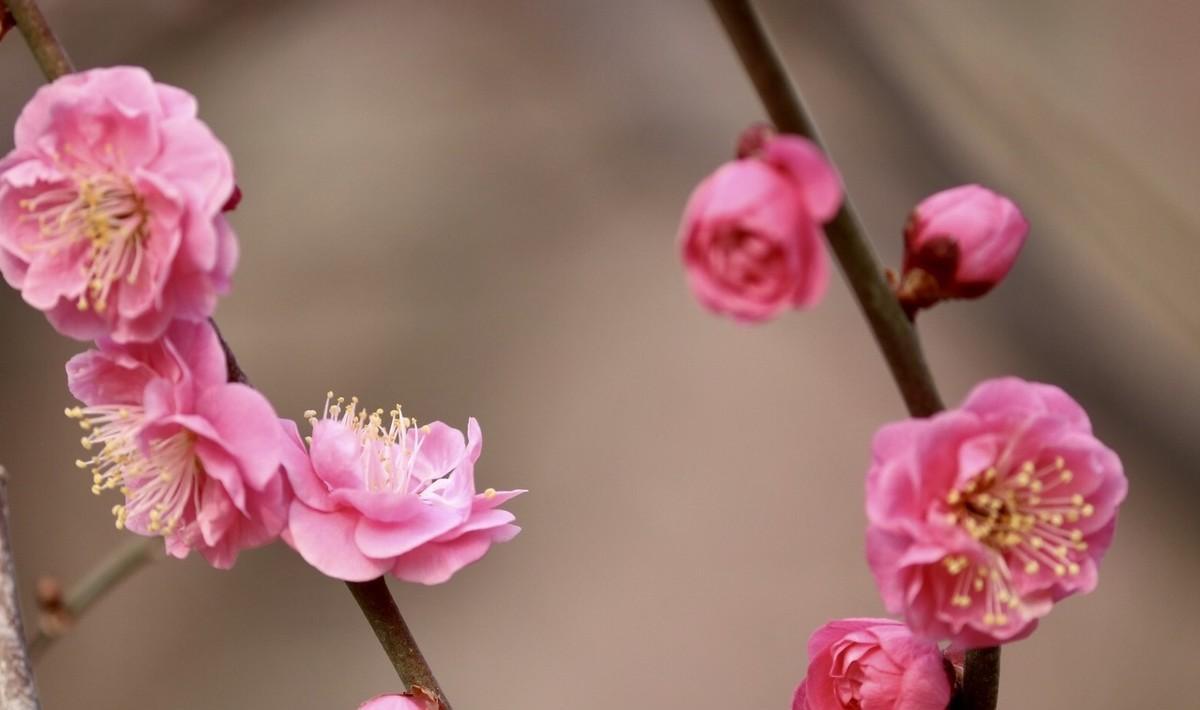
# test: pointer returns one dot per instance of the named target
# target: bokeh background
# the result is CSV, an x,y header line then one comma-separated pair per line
x,y
470,207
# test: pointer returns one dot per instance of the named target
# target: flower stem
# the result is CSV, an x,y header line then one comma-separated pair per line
x,y
120,564
17,689
46,48
847,237
895,334
397,640
373,597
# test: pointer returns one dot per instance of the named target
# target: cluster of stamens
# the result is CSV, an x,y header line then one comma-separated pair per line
x,y
158,485
102,208
1022,520
388,446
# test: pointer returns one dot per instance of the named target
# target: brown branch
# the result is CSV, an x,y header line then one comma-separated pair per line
x,y
895,334
46,48
17,689
384,617
373,597
847,237
58,617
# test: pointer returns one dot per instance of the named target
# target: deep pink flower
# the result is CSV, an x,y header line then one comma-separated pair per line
x,y
196,458
959,243
398,702
872,663
110,207
377,494
751,238
982,517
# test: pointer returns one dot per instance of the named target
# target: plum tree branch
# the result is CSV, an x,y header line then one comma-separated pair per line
x,y
17,688
894,332
372,597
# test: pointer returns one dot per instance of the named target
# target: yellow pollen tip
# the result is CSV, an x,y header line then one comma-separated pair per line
x,y
1031,567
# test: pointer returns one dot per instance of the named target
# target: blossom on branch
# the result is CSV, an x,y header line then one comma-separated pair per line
x,y
982,517
195,457
959,243
377,494
751,239
872,663
111,207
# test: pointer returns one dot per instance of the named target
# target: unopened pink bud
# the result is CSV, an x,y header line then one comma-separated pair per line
x,y
872,663
752,239
959,243
417,701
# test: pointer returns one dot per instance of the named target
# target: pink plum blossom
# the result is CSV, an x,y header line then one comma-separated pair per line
x,y
378,495
111,207
752,241
872,663
982,517
398,702
196,458
959,243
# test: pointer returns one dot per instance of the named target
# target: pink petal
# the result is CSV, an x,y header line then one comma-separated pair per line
x,y
381,539
326,541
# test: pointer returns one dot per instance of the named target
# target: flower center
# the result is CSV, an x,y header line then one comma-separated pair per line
x,y
158,487
387,448
1024,520
103,209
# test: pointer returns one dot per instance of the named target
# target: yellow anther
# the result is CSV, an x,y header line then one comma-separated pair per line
x,y
1031,567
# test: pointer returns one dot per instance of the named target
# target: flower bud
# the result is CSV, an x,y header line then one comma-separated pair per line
x,y
872,663
752,239
959,243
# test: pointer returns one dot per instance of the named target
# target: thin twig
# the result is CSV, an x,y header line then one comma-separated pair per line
x,y
893,331
17,689
373,597
384,617
46,48
120,564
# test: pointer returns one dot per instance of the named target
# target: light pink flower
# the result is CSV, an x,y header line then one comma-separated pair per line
x,y
196,458
111,207
982,517
872,663
959,243
751,239
398,702
379,495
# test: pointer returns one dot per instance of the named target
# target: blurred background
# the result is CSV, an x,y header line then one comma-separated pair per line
x,y
470,207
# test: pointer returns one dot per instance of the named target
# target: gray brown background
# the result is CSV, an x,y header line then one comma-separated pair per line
x,y
471,207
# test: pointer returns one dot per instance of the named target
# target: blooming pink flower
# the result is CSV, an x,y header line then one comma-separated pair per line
x,y
959,243
398,702
872,663
110,207
376,498
981,518
751,237
196,458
